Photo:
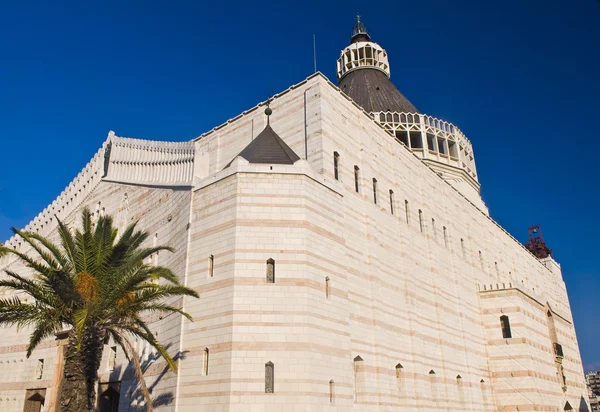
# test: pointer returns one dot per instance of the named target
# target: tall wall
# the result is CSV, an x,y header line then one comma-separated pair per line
x,y
164,213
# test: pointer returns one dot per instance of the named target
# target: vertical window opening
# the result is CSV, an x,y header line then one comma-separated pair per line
x,y
460,388
374,190
331,390
445,237
399,379
336,165
39,371
391,201
462,247
484,391
505,325
358,361
432,386
112,359
497,270
481,260
327,287
206,353
211,265
356,178
433,227
270,271
407,212
269,377
421,220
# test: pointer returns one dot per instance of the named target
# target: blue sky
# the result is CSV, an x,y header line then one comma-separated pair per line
x,y
520,78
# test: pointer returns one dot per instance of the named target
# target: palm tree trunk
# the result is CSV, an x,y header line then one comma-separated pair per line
x,y
73,390
92,344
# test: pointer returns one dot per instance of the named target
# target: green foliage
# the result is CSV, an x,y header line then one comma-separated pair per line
x,y
93,281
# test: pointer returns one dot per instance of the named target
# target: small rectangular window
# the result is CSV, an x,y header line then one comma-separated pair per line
x,y
452,149
374,190
442,146
356,177
391,201
431,142
211,265
407,212
327,287
505,325
206,354
269,377
402,136
421,220
336,164
433,230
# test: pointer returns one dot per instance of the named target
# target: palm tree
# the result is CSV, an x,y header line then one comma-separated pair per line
x,y
97,285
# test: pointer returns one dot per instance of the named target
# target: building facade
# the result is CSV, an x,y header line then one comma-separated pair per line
x,y
344,259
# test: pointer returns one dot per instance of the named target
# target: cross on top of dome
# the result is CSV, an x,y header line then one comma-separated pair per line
x,y
359,31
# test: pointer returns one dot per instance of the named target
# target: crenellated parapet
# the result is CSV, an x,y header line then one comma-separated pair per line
x,y
70,198
149,162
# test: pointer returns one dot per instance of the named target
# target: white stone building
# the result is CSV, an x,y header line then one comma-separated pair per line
x,y
344,259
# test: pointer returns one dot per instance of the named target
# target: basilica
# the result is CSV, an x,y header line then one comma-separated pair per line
x,y
344,258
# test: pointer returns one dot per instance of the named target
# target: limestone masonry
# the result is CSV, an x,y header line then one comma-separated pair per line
x,y
344,259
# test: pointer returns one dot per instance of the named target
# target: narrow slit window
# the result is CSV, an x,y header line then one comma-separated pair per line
x,y
391,201
331,391
211,265
270,271
433,230
460,388
481,260
407,211
356,179
269,377
432,386
445,237
327,287
497,270
206,354
112,360
374,190
39,372
336,165
358,369
505,326
421,220
462,247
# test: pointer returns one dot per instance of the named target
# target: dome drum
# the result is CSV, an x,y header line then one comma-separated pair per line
x,y
361,55
430,138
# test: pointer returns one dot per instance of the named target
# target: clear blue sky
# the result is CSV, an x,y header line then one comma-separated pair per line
x,y
520,78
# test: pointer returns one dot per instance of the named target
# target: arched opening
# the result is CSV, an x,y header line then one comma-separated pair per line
x,y
460,388
358,377
331,391
505,326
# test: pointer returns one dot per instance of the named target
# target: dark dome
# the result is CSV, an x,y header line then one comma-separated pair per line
x,y
372,90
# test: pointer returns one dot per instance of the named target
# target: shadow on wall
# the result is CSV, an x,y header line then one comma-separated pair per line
x,y
583,407
134,396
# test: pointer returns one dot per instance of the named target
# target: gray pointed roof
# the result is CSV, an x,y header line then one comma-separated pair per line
x,y
268,148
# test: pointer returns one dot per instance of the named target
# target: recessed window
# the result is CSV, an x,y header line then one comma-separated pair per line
x,y
356,179
336,164
391,201
270,271
433,229
421,220
442,146
416,141
445,237
374,190
269,377
112,358
481,260
402,136
331,390
206,354
505,326
327,287
211,265
431,142
462,248
407,212
39,370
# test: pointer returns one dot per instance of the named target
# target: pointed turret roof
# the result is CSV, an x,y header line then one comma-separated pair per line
x,y
268,148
